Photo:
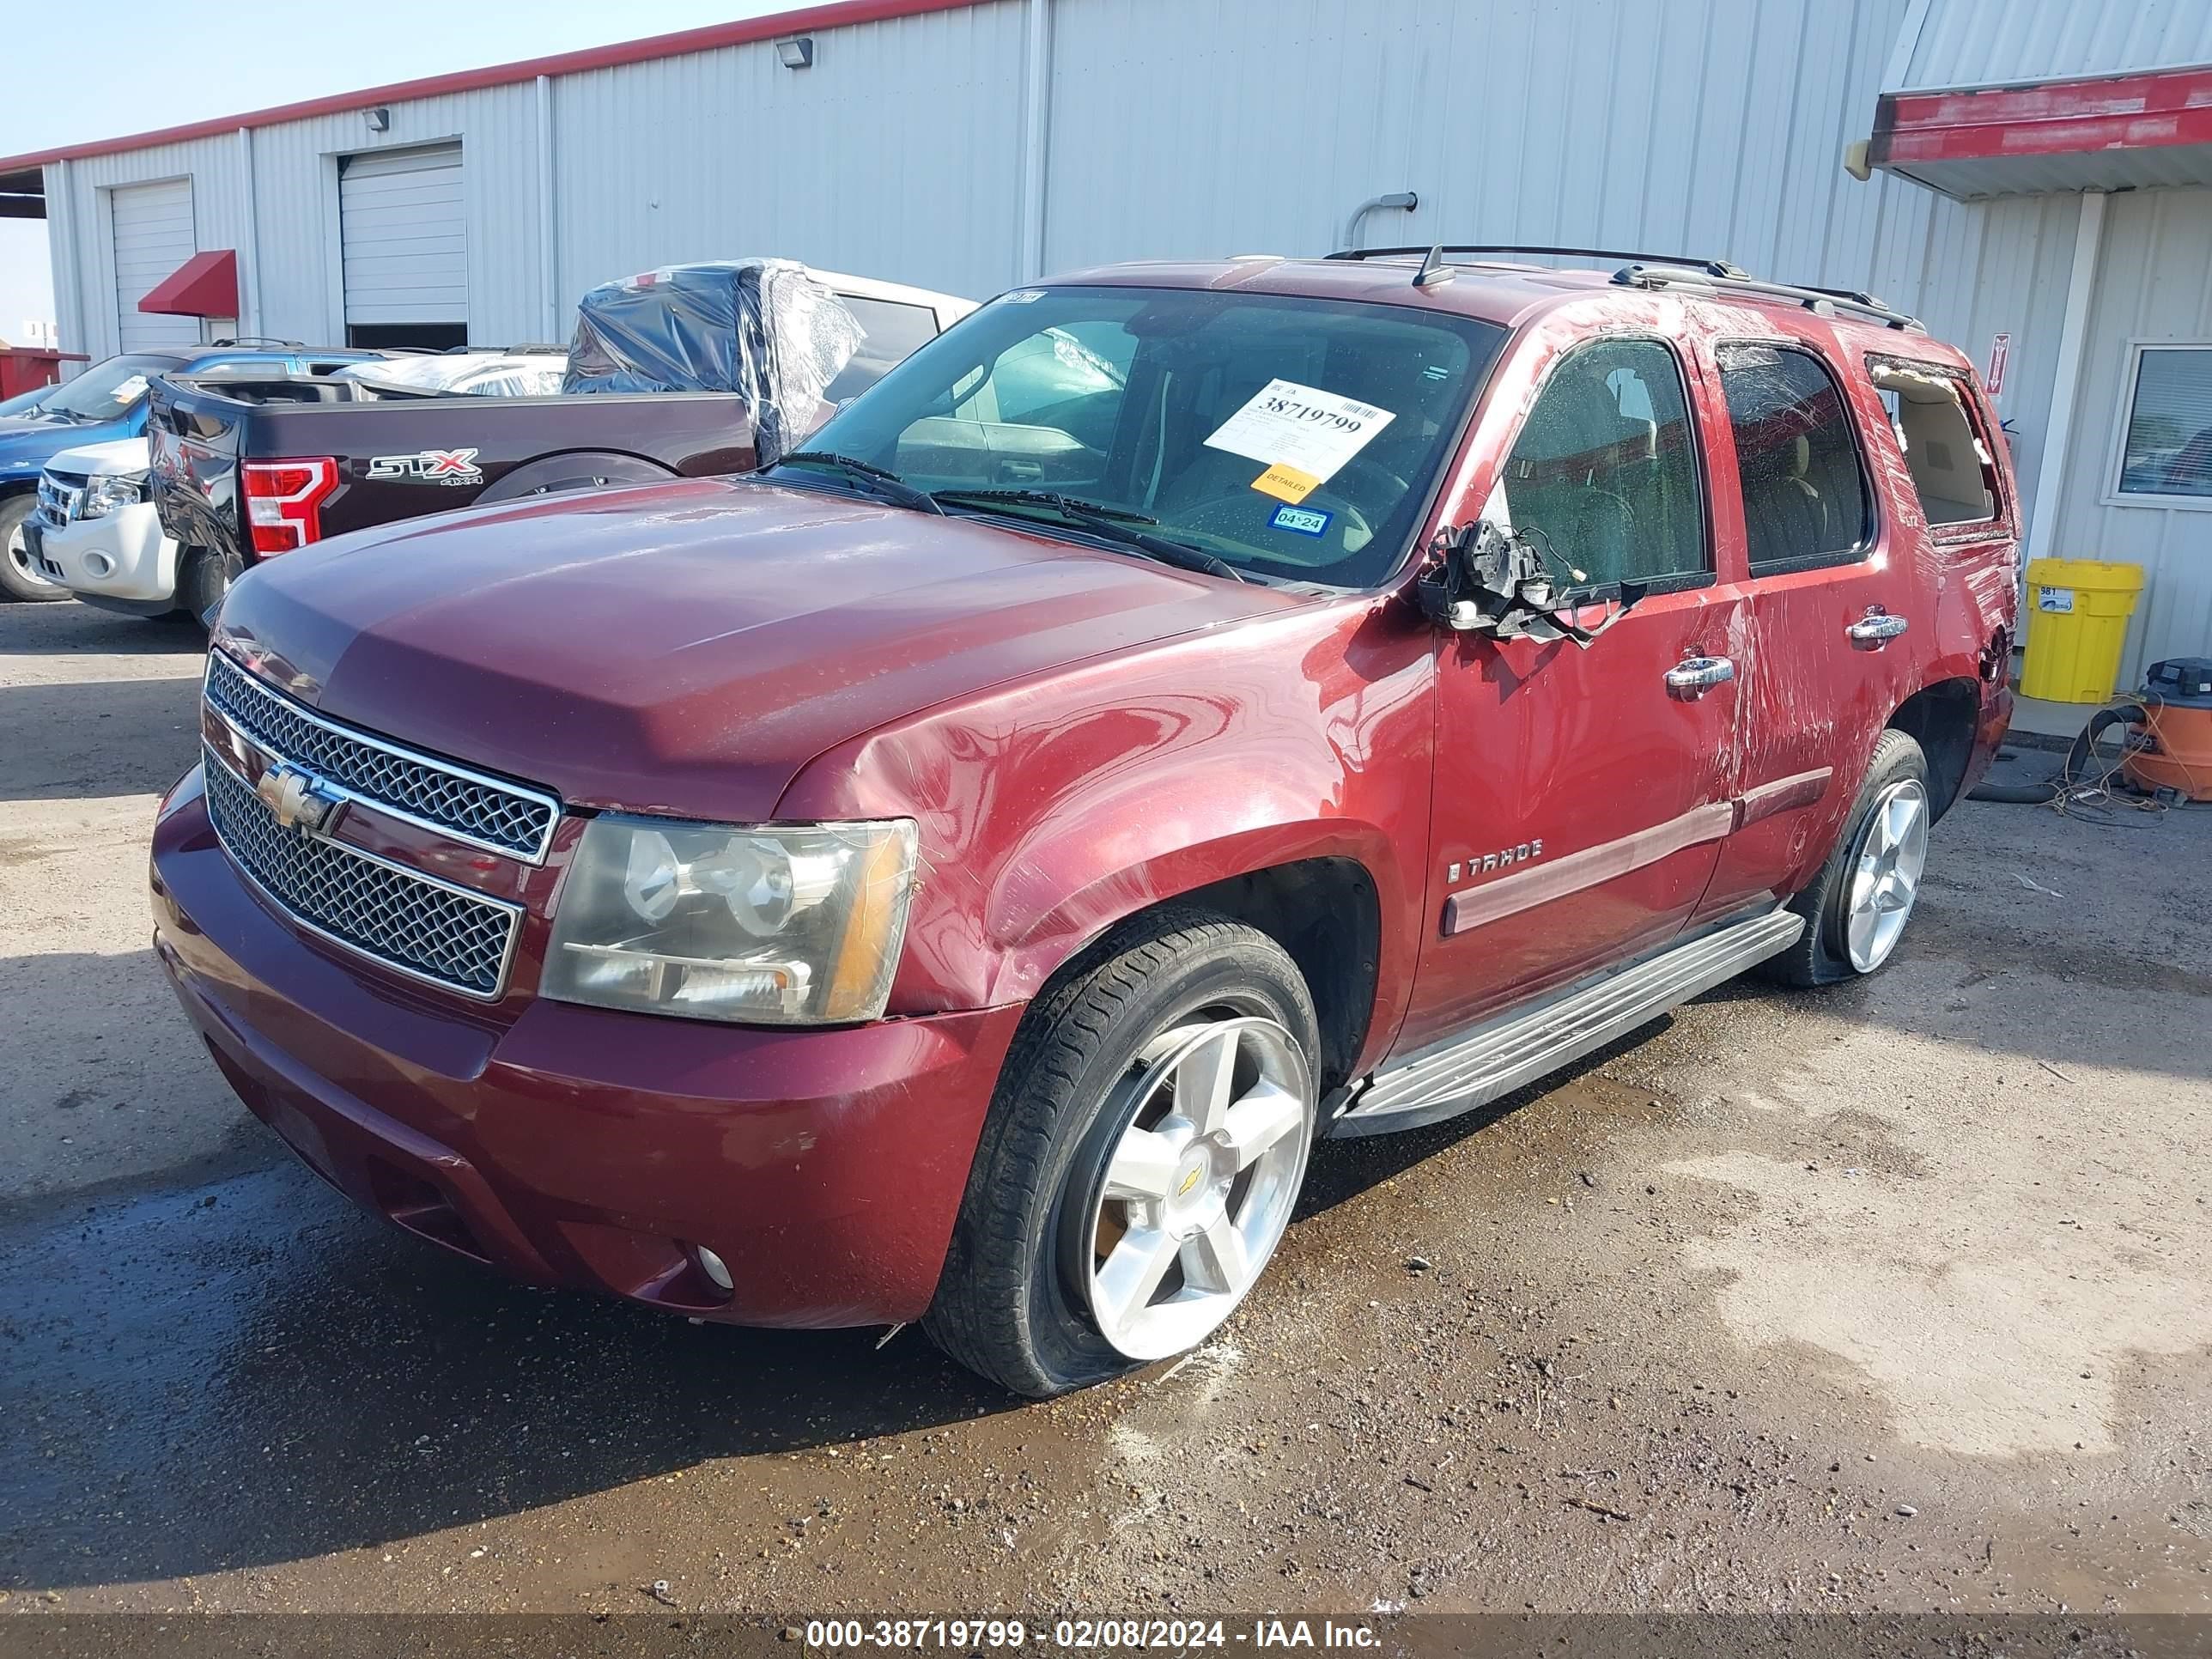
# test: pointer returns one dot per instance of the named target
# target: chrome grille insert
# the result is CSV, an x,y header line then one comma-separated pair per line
x,y
424,928
60,493
485,811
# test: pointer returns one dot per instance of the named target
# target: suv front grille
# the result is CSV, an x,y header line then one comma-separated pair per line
x,y
485,811
424,928
59,493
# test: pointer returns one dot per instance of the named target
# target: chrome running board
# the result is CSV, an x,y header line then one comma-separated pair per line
x,y
1475,1067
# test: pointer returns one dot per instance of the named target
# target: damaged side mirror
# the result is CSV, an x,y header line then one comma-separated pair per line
x,y
1494,581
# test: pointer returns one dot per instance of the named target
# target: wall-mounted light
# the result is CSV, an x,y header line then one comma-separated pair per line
x,y
796,52
379,120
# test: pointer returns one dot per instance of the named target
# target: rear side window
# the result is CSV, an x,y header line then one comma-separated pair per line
x,y
1953,473
1603,477
1805,499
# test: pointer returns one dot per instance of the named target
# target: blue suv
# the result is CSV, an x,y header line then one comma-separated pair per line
x,y
105,402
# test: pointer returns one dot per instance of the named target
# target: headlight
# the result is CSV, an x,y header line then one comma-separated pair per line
x,y
109,494
783,924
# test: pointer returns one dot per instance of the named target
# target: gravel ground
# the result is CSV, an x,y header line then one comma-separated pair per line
x,y
1891,1297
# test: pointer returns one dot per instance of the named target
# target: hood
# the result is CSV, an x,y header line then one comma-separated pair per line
x,y
118,455
28,443
685,649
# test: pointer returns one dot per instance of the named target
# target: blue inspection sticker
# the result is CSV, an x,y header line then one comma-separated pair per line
x,y
1300,521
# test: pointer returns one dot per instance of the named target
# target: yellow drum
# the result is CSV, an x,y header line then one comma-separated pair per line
x,y
2077,626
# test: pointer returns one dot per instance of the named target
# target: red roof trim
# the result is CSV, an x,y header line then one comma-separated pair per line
x,y
205,285
714,36
2056,118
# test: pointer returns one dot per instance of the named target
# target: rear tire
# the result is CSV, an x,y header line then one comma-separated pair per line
x,y
1064,1215
19,580
1856,907
204,578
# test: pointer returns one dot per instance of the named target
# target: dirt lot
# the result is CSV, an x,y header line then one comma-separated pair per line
x,y
1895,1297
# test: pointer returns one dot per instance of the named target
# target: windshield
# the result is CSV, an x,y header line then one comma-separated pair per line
x,y
106,391
1294,439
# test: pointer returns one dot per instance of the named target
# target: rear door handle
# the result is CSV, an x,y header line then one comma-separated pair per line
x,y
1876,629
1692,677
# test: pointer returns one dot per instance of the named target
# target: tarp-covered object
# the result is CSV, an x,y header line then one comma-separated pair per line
x,y
762,328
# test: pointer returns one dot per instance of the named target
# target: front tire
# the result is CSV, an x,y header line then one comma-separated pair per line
x,y
20,579
1856,907
1143,1155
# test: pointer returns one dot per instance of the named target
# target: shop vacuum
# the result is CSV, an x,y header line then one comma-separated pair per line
x,y
2166,747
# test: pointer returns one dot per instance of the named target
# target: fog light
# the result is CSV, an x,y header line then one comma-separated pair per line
x,y
715,1267
98,564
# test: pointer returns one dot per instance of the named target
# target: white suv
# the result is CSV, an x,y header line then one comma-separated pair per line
x,y
95,532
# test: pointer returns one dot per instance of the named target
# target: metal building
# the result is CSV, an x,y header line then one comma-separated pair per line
x,y
2037,183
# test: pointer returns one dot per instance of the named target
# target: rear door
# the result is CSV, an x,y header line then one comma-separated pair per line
x,y
1836,586
1581,793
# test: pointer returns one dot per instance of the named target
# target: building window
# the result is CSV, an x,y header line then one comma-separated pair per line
x,y
1805,498
2166,451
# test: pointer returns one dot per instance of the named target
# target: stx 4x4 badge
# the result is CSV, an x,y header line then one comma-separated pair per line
x,y
437,467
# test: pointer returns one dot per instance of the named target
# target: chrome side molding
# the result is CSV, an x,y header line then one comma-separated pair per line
x,y
1475,1067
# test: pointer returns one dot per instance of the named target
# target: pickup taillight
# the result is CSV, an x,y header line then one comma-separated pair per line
x,y
284,500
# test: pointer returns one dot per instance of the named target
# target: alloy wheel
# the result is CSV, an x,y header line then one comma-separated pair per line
x,y
1886,869
1199,1189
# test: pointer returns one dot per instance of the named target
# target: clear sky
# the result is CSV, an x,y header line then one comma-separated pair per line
x,y
117,67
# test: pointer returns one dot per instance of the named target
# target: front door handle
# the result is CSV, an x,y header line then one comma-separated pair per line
x,y
1876,629
1692,677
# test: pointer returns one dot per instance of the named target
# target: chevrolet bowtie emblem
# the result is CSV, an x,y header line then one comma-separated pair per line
x,y
300,800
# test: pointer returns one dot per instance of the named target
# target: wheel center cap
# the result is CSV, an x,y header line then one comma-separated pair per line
x,y
1191,1190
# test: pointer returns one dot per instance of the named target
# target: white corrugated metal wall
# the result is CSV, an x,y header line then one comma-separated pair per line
x,y
2153,285
1996,43
1692,126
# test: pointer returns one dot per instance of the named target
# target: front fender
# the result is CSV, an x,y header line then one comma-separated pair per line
x,y
1052,809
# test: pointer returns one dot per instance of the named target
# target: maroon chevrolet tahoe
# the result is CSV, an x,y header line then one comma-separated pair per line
x,y
1180,713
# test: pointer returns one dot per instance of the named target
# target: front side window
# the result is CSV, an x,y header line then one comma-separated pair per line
x,y
2168,448
1805,499
1294,439
1603,477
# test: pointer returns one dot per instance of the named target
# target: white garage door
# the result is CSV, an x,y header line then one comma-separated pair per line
x,y
152,226
406,247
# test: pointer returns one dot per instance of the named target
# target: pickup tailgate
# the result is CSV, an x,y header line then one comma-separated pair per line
x,y
193,435
402,458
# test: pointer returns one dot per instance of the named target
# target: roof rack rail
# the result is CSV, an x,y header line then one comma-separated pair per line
x,y
1662,273
1710,267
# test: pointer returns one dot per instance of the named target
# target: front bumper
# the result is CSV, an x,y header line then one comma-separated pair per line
x,y
583,1146
119,556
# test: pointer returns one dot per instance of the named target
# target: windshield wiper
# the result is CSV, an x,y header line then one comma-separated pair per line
x,y
881,480
1116,524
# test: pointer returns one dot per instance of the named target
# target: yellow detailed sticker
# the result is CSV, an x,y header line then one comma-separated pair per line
x,y
1286,483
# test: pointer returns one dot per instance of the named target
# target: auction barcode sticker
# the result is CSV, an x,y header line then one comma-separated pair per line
x,y
1301,435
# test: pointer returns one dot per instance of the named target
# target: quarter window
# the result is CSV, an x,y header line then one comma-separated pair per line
x,y
1953,473
1804,487
2168,449
1603,478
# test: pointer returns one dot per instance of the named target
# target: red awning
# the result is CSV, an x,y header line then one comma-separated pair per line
x,y
2112,133
205,285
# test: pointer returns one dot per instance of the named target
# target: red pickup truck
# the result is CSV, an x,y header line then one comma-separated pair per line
x,y
958,874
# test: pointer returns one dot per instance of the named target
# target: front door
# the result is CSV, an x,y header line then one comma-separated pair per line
x,y
1581,793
